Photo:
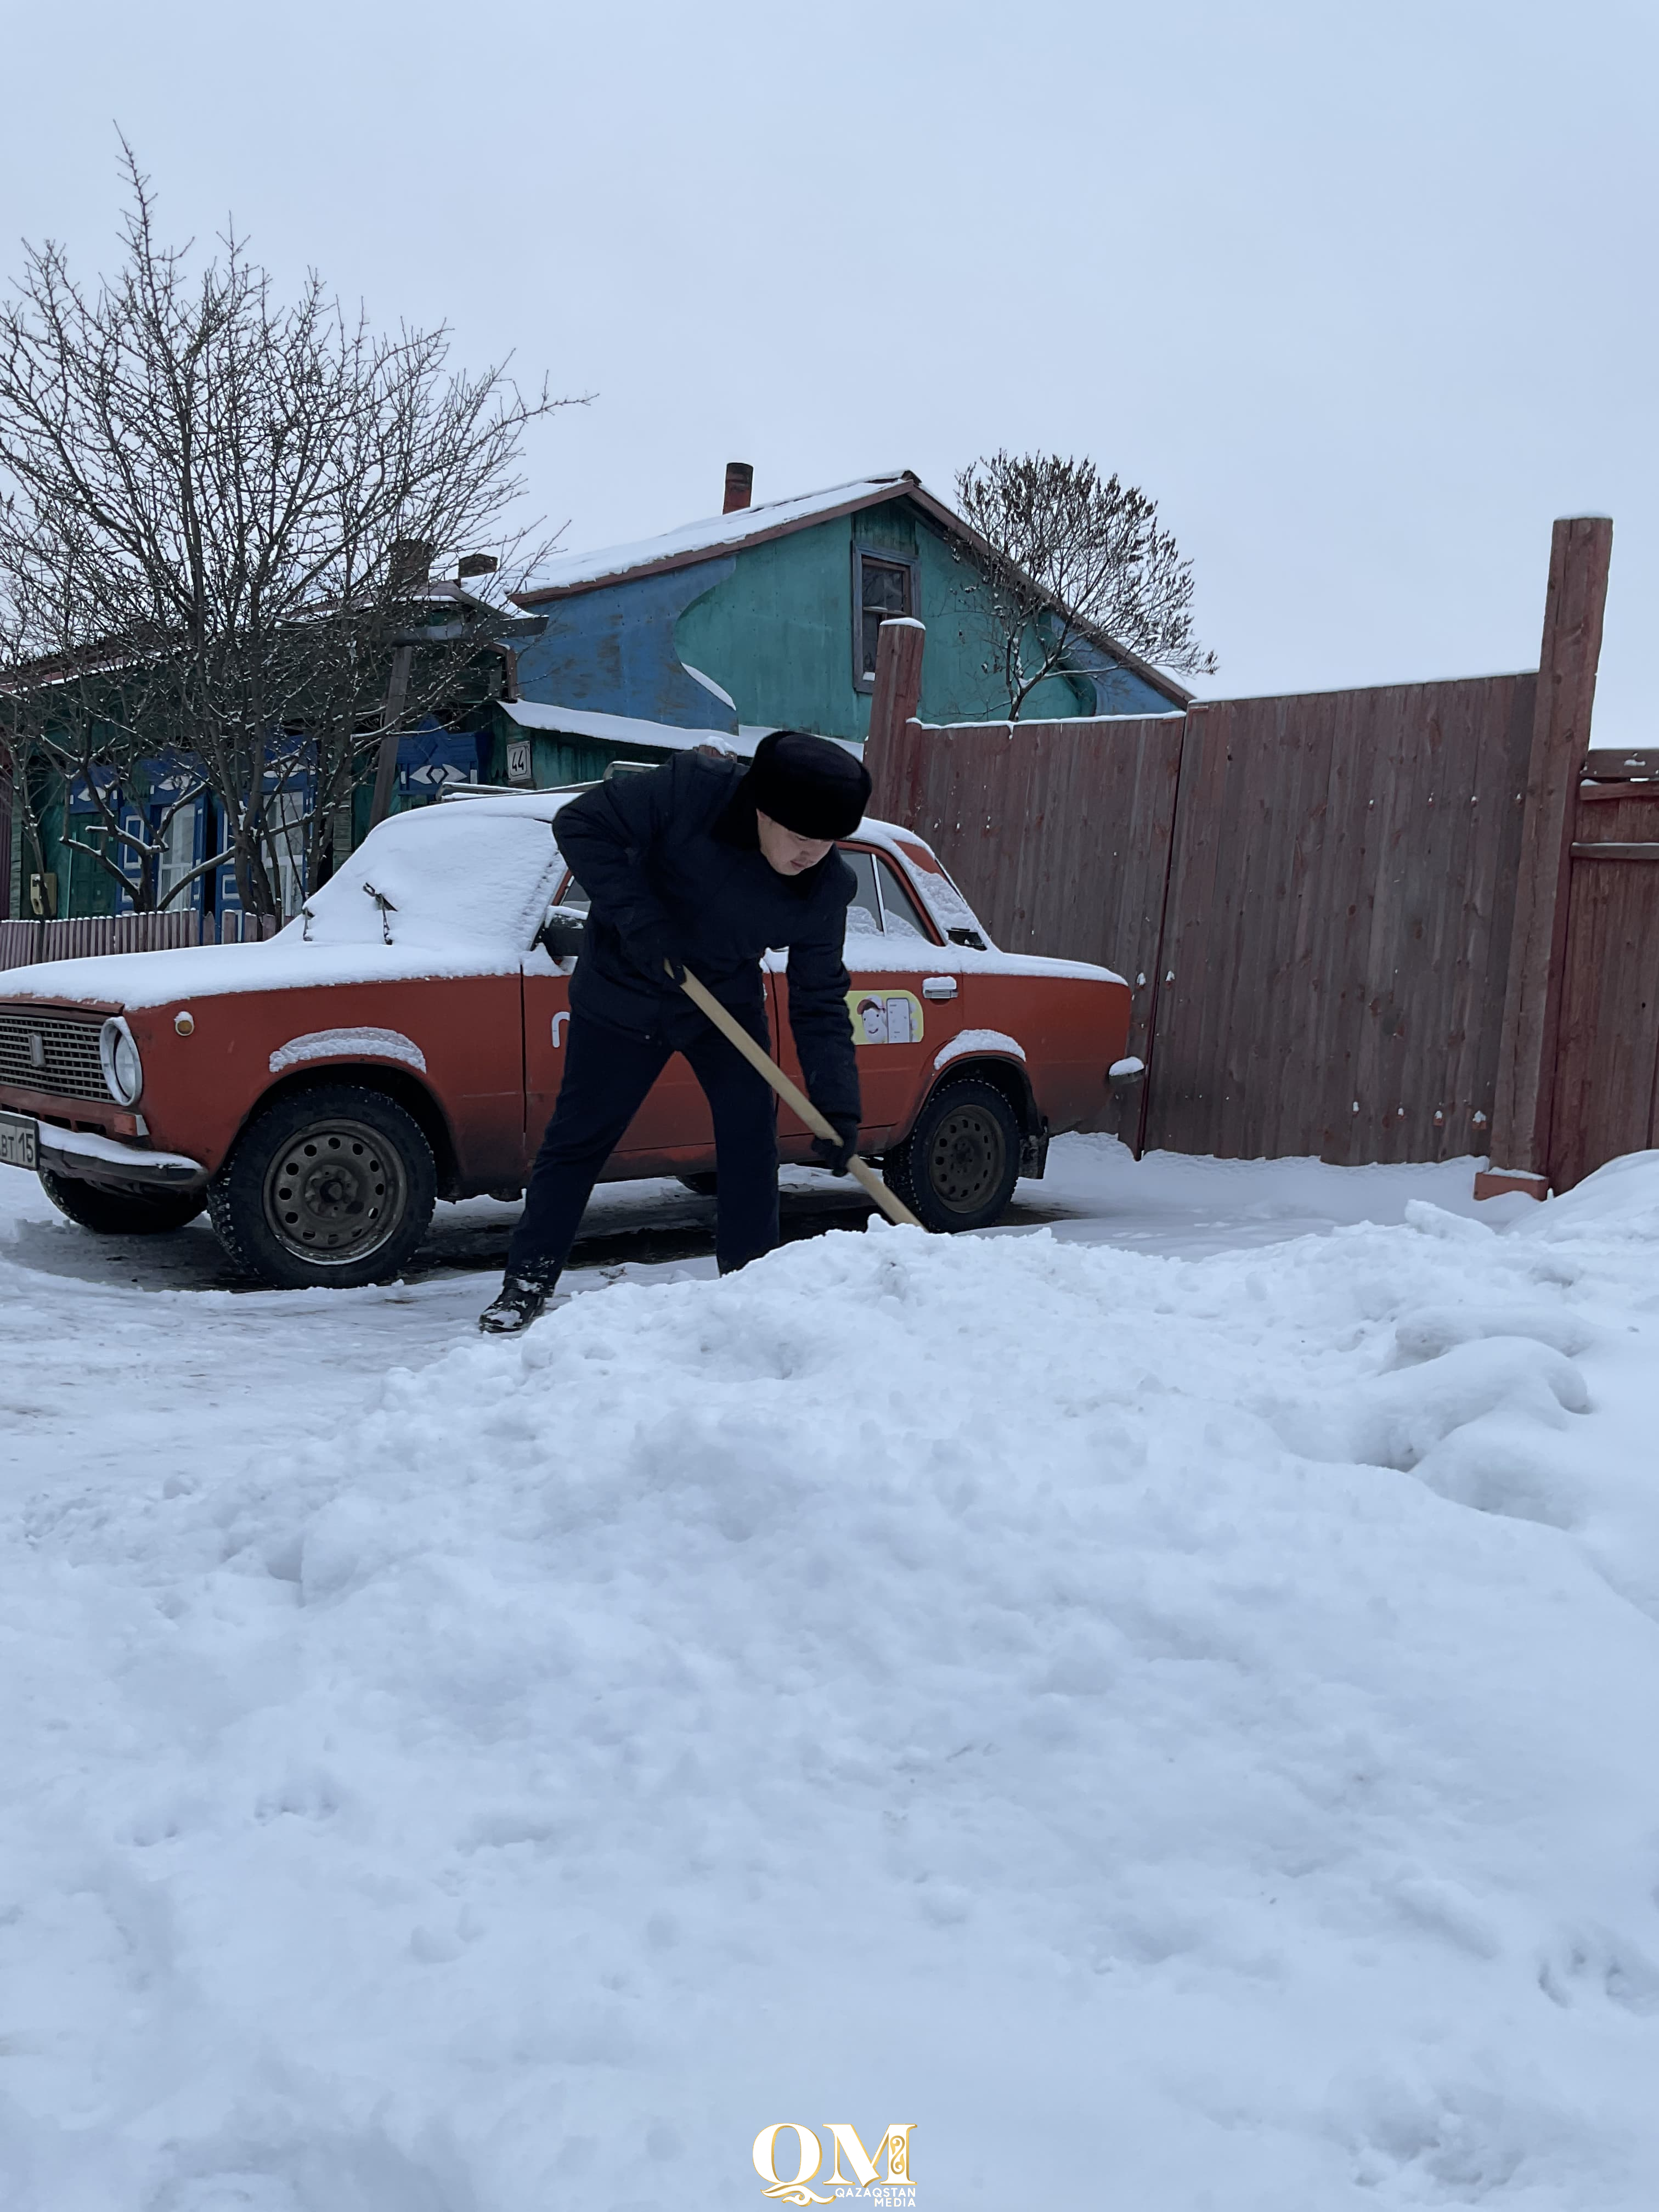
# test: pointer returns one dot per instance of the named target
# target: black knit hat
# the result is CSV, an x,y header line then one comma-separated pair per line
x,y
816,788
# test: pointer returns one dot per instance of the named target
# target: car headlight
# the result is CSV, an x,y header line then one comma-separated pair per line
x,y
124,1071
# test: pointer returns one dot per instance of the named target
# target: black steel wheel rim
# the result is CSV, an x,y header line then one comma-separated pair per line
x,y
335,1192
965,1158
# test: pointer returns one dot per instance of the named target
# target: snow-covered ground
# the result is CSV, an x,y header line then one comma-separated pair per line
x,y
1163,1700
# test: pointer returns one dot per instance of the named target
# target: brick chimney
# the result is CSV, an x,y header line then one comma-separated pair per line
x,y
739,485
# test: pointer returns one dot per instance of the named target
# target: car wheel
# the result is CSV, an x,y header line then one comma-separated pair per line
x,y
958,1168
706,1185
331,1186
121,1212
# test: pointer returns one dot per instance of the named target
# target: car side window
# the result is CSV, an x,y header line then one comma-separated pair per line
x,y
899,909
864,915
573,895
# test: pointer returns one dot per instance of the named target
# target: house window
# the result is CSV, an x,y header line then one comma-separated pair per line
x,y
286,819
885,588
178,853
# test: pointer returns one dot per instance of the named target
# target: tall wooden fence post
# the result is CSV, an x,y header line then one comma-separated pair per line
x,y
898,694
1581,549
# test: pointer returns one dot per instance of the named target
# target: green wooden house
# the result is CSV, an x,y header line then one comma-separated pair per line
x,y
763,617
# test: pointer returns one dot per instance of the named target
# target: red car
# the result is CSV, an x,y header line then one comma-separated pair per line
x,y
402,1040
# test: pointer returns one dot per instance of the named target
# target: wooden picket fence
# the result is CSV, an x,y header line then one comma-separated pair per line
x,y
81,936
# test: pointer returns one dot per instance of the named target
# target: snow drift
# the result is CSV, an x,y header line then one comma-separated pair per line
x,y
1179,1733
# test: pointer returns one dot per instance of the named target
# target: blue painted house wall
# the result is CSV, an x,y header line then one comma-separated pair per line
x,y
613,651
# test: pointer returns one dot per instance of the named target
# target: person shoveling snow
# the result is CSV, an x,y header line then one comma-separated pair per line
x,y
697,867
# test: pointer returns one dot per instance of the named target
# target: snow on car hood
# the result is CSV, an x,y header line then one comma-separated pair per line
x,y
465,887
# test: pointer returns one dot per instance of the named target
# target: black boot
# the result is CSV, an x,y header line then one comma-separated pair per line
x,y
516,1304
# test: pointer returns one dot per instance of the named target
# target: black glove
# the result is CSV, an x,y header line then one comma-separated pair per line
x,y
651,950
834,1154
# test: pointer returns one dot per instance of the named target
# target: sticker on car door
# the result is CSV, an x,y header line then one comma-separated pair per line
x,y
883,1016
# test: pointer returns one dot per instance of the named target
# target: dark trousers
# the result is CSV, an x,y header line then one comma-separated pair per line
x,y
607,1074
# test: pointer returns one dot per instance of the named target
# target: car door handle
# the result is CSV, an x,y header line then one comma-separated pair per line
x,y
939,987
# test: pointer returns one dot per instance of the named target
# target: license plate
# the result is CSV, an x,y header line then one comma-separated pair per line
x,y
18,1141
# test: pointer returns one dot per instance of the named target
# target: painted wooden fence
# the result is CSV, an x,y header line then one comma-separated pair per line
x,y
74,938
1321,902
1606,1096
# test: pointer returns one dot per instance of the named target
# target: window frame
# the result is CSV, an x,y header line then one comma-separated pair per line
x,y
171,866
863,551
920,920
915,913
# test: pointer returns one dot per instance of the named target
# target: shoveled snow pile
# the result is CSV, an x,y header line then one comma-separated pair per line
x,y
1181,1734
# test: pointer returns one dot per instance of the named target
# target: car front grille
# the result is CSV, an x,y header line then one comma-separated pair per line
x,y
55,1053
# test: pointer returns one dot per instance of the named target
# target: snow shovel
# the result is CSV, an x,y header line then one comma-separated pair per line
x,y
733,1031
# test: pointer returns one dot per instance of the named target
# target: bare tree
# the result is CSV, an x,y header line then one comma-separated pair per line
x,y
218,515
97,727
1075,561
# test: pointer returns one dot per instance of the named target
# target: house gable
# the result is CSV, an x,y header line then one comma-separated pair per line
x,y
765,603
780,633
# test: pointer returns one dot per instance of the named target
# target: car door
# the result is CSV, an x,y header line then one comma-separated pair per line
x,y
903,1005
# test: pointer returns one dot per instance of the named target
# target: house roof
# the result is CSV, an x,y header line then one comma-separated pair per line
x,y
718,534
572,572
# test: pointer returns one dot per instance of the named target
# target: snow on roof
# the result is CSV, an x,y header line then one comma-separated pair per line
x,y
574,572
630,730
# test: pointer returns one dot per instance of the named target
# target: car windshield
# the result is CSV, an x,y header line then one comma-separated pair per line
x,y
441,876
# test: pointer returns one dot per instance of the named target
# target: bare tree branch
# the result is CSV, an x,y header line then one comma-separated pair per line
x,y
1074,557
218,516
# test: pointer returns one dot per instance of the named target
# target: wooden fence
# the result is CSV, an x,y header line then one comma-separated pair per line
x,y
23,942
1319,901
1606,1095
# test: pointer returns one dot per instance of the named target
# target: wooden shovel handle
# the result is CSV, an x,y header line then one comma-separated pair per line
x,y
734,1032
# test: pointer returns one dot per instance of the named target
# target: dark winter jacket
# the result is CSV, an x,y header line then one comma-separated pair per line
x,y
676,848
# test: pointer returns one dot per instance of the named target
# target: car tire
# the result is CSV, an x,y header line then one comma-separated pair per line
x,y
121,1212
706,1185
958,1168
332,1186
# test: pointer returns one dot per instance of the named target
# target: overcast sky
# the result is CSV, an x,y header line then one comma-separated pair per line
x,y
1364,297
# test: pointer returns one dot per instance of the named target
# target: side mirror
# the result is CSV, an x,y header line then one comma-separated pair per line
x,y
561,932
